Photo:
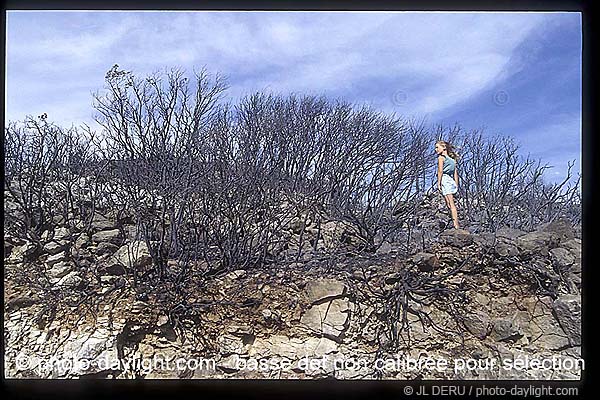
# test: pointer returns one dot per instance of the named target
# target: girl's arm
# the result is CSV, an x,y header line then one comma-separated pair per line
x,y
440,171
456,176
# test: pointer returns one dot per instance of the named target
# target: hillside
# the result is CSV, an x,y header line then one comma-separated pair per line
x,y
477,297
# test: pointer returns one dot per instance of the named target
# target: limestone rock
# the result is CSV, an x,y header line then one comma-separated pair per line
x,y
56,258
23,252
112,236
71,280
542,331
229,363
552,337
101,223
62,233
59,270
329,319
536,243
53,247
562,258
324,289
340,232
509,233
456,237
134,254
82,241
505,329
561,229
506,249
426,261
106,248
478,323
567,309
230,344
236,274
292,348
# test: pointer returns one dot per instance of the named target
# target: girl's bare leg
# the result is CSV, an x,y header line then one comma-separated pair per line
x,y
446,201
450,201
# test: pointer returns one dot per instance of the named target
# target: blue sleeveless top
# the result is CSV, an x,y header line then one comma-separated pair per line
x,y
449,165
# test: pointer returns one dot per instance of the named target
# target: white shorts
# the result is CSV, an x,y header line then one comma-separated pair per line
x,y
448,185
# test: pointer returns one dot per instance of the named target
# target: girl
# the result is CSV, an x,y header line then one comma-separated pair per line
x,y
447,176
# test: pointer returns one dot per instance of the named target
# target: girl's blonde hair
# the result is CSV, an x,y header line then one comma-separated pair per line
x,y
449,149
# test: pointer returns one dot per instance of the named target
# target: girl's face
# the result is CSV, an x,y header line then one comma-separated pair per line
x,y
439,148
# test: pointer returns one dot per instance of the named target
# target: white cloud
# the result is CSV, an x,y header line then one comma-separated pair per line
x,y
441,59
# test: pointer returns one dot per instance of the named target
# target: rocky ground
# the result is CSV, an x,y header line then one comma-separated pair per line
x,y
477,301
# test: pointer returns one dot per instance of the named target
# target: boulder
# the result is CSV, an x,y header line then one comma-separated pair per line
x,y
574,247
111,236
134,254
484,239
62,233
562,258
505,329
322,290
561,229
509,233
329,319
71,280
506,248
82,241
425,261
101,223
59,270
23,252
536,243
567,309
478,323
456,237
106,248
56,258
53,247
385,248
336,233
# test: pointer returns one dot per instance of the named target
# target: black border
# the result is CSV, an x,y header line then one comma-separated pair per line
x,y
332,5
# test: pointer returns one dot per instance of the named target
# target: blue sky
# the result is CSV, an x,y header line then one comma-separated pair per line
x,y
516,74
